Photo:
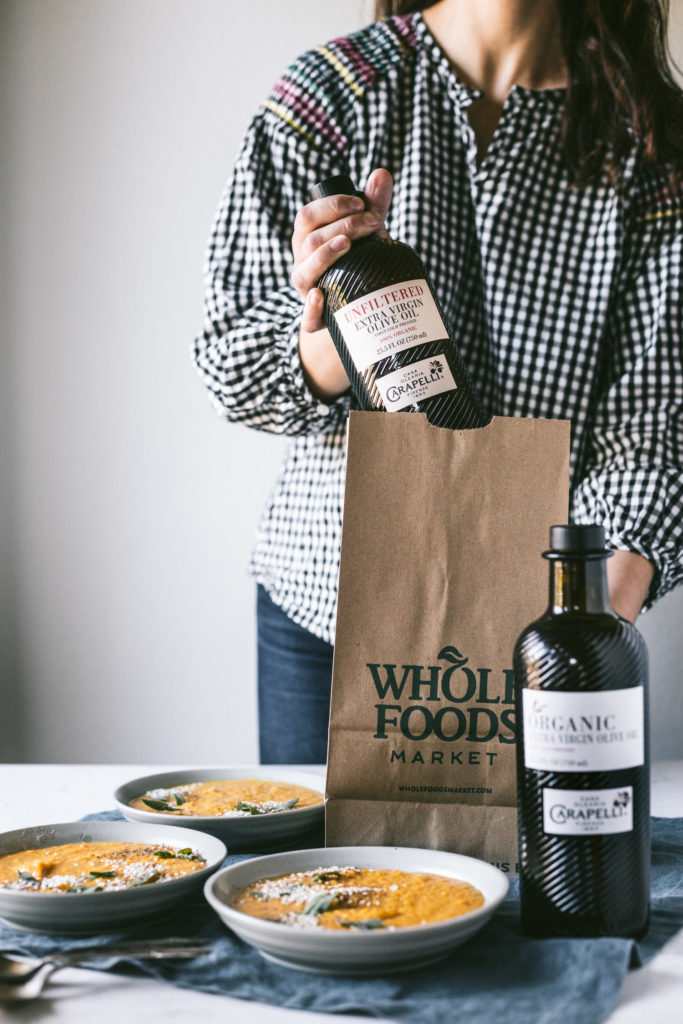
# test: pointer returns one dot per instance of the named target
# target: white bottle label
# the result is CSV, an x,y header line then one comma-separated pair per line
x,y
415,382
389,320
583,732
593,812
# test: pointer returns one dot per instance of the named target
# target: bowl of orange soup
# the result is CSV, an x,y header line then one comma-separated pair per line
x,y
252,808
357,909
86,877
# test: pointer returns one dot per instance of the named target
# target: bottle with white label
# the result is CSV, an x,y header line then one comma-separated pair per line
x,y
390,332
582,754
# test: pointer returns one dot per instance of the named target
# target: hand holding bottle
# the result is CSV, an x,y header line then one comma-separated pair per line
x,y
324,229
394,345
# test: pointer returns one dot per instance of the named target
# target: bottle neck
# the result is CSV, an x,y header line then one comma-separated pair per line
x,y
579,585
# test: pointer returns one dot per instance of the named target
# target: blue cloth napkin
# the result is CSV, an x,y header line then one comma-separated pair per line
x,y
499,975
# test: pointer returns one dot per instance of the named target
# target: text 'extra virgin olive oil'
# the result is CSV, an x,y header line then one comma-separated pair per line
x,y
390,332
582,754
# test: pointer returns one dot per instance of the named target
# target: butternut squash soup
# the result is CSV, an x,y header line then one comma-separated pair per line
x,y
95,867
357,898
227,798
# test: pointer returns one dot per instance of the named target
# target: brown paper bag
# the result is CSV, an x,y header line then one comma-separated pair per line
x,y
440,572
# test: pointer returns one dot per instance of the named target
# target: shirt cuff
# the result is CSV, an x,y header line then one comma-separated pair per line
x,y
647,531
325,415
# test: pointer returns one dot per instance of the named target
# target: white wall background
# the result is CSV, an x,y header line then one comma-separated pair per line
x,y
128,508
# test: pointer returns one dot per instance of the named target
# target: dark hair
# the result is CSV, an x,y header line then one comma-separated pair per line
x,y
620,84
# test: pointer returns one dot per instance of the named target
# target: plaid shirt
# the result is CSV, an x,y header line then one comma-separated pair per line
x,y
565,302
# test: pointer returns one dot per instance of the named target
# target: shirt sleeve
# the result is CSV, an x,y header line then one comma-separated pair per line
x,y
634,483
248,352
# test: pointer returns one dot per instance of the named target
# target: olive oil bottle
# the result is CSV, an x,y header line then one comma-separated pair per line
x,y
390,332
582,754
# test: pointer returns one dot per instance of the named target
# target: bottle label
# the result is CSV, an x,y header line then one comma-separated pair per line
x,y
583,732
593,812
415,382
389,320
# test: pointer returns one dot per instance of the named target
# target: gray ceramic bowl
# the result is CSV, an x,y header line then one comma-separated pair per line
x,y
91,912
324,951
253,832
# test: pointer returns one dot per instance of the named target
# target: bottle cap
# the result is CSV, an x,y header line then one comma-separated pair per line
x,y
339,185
577,540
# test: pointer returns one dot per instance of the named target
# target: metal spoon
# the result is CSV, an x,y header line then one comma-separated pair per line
x,y
21,980
19,969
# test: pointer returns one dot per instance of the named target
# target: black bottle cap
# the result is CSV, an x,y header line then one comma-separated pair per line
x,y
339,185
577,540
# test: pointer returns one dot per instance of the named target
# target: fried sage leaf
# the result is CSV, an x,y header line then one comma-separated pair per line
x,y
366,925
327,876
251,808
286,806
146,879
189,855
243,805
320,903
157,805
26,876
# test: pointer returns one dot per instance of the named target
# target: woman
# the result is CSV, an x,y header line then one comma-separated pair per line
x,y
532,152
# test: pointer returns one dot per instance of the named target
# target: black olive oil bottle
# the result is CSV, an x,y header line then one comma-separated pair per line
x,y
582,754
390,332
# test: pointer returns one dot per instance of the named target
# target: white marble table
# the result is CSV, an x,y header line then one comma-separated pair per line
x,y
35,794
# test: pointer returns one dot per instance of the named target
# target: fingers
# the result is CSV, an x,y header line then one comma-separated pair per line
x,y
378,191
324,229
317,245
354,226
308,272
322,213
312,319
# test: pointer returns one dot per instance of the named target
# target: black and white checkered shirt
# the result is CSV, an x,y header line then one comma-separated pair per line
x,y
565,302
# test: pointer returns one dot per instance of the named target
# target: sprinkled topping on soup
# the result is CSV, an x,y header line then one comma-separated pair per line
x,y
227,798
95,867
357,898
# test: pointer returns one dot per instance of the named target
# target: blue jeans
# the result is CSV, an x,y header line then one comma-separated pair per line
x,y
294,682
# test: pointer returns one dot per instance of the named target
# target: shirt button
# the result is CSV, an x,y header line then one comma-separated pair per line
x,y
322,409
